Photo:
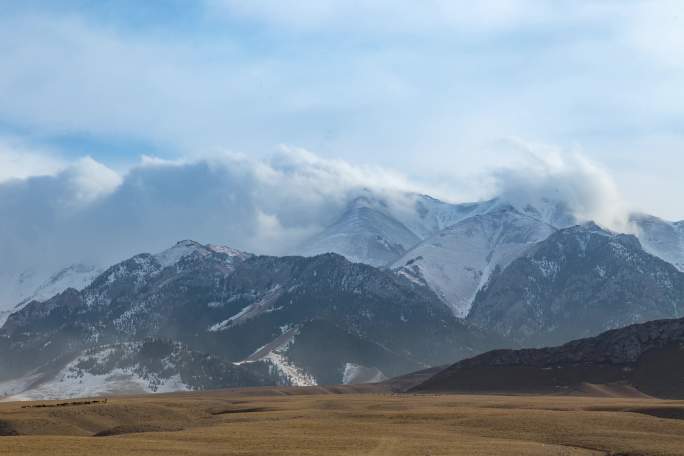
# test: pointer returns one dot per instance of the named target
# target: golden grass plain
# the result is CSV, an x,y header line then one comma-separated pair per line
x,y
293,422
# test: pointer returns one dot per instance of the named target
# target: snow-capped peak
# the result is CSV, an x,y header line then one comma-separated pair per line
x,y
186,248
457,261
590,227
554,212
179,251
229,251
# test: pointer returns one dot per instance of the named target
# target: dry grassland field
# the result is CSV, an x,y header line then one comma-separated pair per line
x,y
313,421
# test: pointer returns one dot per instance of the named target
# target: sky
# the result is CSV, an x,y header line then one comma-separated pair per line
x,y
441,96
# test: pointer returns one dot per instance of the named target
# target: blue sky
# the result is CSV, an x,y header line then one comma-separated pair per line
x,y
442,91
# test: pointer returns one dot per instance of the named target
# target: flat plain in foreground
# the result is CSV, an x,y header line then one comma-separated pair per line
x,y
315,422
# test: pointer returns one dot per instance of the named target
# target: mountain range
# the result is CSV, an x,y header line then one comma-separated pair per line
x,y
390,287
454,248
310,320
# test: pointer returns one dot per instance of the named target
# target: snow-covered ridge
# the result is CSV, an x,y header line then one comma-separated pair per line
x,y
366,233
661,238
34,286
457,261
39,285
142,267
454,250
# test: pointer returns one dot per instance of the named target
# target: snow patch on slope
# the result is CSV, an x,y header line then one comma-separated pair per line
x,y
294,375
262,306
275,352
76,381
225,324
357,374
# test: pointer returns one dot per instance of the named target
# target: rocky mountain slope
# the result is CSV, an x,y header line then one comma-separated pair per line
x,y
647,356
245,309
392,231
451,248
147,366
580,281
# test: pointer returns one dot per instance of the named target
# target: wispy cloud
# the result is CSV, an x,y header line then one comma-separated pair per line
x,y
19,162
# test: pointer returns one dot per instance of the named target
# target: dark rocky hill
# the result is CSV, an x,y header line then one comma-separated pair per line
x,y
648,357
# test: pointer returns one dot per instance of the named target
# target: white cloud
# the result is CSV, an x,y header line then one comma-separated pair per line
x,y
90,180
569,177
265,206
18,162
416,86
87,212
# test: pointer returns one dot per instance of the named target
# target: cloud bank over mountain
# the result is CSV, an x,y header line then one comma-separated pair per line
x,y
588,190
84,211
